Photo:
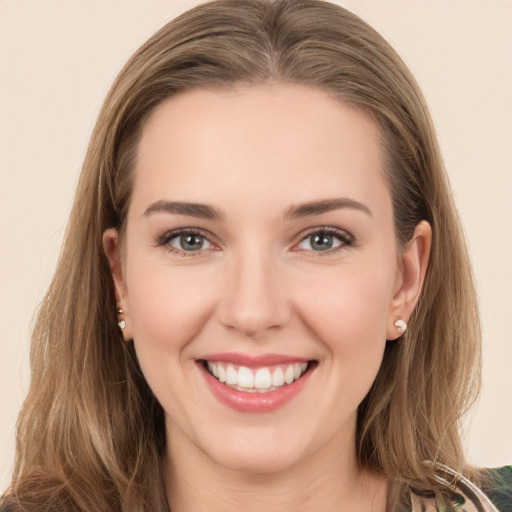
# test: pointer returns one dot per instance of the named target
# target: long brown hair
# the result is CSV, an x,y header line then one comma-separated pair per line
x,y
91,433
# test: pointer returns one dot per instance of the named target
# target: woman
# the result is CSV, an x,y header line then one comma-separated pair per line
x,y
264,299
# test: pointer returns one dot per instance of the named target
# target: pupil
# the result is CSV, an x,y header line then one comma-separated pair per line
x,y
191,242
322,242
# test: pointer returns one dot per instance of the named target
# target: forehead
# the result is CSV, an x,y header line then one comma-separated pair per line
x,y
279,143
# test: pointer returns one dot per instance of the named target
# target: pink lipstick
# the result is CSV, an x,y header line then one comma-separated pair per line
x,y
255,384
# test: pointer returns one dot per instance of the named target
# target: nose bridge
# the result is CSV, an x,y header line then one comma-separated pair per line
x,y
254,299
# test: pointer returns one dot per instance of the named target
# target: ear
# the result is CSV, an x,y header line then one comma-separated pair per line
x,y
112,250
414,262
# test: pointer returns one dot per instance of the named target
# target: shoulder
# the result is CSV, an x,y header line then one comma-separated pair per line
x,y
497,484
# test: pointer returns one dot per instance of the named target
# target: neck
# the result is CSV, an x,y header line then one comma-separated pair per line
x,y
328,480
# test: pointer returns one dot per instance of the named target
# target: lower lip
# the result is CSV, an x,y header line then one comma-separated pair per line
x,y
254,402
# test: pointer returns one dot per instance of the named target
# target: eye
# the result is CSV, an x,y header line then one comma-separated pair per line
x,y
190,242
325,239
185,242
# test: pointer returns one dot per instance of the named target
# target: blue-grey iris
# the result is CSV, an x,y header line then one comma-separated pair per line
x,y
191,242
321,242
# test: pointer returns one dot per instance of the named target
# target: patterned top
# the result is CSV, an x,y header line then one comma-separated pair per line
x,y
494,496
499,488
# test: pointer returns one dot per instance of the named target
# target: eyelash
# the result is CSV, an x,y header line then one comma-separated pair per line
x,y
164,240
345,239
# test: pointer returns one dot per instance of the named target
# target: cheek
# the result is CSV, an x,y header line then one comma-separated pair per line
x,y
347,307
169,309
163,293
169,306
347,314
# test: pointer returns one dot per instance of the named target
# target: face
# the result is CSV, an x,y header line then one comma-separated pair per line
x,y
260,277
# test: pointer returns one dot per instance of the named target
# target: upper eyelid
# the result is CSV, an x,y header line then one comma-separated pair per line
x,y
173,233
331,230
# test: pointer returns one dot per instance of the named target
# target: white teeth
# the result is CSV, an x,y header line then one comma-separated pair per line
x,y
278,377
299,369
231,376
213,368
245,378
289,374
262,379
222,372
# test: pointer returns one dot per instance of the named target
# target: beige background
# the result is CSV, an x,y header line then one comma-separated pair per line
x,y
57,60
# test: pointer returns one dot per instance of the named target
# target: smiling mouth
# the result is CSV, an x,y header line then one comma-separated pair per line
x,y
263,379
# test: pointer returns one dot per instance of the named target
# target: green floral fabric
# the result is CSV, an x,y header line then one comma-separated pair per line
x,y
498,487
493,495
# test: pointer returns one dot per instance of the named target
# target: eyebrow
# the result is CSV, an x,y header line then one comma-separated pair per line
x,y
201,211
204,211
324,206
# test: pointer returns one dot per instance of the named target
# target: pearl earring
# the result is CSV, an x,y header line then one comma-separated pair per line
x,y
122,322
401,326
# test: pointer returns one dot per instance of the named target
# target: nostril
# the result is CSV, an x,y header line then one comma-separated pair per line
x,y
253,302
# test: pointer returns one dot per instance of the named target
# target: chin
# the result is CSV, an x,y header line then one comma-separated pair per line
x,y
261,463
243,454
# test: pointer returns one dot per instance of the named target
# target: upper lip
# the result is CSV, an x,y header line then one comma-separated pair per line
x,y
254,361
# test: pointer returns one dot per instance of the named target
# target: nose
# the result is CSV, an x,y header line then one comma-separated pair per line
x,y
254,300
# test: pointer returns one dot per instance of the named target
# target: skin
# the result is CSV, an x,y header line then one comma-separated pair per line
x,y
259,286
